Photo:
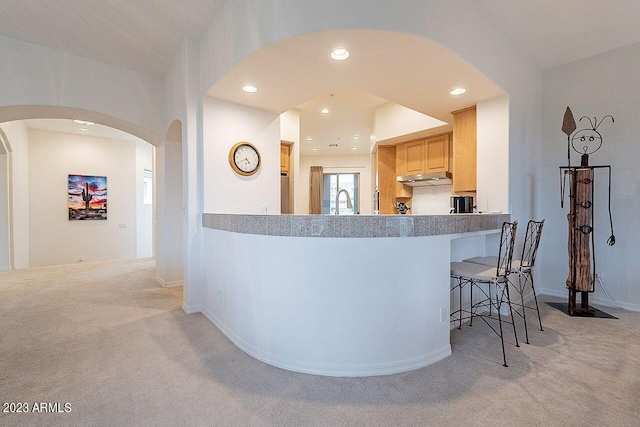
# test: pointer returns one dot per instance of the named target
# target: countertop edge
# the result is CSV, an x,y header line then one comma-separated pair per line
x,y
353,226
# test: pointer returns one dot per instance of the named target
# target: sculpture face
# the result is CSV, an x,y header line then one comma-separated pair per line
x,y
586,141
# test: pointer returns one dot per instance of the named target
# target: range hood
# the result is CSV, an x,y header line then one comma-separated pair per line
x,y
425,179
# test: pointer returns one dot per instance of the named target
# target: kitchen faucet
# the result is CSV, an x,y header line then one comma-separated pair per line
x,y
349,204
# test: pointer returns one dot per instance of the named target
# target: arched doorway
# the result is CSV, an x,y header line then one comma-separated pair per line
x,y
124,182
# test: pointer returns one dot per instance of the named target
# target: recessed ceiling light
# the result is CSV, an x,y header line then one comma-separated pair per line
x,y
458,91
314,149
340,54
325,111
354,148
84,130
83,122
356,137
309,139
249,89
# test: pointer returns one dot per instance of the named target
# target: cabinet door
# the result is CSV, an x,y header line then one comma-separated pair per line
x,y
415,156
437,150
464,150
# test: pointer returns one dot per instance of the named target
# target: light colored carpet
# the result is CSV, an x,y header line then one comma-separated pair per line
x,y
107,339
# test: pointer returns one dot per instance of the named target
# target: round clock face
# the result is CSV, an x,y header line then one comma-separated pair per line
x,y
244,158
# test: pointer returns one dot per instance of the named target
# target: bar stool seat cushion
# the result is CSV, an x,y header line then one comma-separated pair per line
x,y
492,261
474,271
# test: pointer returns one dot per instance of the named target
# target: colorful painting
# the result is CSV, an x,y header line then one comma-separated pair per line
x,y
87,197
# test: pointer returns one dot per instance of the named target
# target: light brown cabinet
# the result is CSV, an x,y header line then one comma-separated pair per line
x,y
437,154
414,157
401,190
464,150
386,169
285,154
423,155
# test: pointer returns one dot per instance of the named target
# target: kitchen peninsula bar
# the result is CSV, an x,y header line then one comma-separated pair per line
x,y
335,295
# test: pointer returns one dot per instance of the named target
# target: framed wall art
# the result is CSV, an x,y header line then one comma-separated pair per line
x,y
87,197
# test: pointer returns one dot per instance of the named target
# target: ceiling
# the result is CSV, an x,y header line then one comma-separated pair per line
x,y
556,32
138,35
145,36
383,66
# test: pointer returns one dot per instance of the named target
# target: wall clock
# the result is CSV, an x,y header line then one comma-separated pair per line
x,y
244,158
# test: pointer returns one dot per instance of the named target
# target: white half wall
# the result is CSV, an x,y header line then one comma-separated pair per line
x,y
360,164
224,124
596,86
352,319
53,238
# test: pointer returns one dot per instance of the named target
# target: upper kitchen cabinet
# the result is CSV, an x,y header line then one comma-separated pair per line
x,y
464,150
423,156
414,157
437,154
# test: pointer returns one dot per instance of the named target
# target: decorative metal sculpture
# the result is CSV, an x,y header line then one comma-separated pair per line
x,y
582,258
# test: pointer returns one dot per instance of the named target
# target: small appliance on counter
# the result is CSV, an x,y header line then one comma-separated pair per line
x,y
402,207
461,204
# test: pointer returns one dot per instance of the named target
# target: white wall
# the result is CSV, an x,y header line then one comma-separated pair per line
x,y
5,256
38,76
144,213
53,238
596,86
18,138
474,37
184,104
225,124
392,120
493,155
335,164
431,200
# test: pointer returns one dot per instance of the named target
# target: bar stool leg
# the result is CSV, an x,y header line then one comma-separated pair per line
x,y
498,304
520,290
535,297
513,321
471,283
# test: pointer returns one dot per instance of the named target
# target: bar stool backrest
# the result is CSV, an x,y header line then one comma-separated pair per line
x,y
505,254
531,241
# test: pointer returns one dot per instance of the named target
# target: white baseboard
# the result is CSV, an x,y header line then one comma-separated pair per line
x,y
7,268
330,370
191,309
168,284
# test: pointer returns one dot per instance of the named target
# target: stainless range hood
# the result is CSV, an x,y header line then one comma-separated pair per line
x,y
425,179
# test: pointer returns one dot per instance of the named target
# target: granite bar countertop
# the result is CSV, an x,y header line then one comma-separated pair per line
x,y
353,225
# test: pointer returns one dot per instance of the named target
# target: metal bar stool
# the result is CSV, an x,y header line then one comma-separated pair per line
x,y
476,276
523,268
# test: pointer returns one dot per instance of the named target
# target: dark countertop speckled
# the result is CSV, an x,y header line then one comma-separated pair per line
x,y
362,226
